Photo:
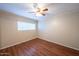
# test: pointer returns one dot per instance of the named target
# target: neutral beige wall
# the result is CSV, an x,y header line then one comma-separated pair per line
x,y
0,34
9,33
62,29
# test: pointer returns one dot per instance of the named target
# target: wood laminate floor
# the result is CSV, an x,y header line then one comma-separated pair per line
x,y
38,47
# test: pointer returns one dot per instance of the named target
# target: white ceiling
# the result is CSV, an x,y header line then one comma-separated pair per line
x,y
22,9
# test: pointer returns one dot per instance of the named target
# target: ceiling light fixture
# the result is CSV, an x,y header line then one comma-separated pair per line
x,y
41,11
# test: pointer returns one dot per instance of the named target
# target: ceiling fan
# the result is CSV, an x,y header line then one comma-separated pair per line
x,y
39,11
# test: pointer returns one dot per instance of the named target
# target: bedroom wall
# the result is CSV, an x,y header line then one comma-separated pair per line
x,y
9,34
62,29
0,34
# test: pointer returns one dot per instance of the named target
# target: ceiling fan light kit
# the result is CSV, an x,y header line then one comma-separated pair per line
x,y
41,11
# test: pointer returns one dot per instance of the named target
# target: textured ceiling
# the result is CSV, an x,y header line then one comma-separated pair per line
x,y
22,9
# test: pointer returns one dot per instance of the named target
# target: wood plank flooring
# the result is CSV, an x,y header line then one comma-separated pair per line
x,y
38,47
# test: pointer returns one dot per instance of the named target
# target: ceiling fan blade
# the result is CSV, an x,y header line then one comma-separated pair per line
x,y
31,12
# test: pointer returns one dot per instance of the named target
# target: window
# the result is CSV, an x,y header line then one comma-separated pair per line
x,y
25,26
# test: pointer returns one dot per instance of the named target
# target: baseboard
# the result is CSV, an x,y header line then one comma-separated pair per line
x,y
61,44
16,43
42,39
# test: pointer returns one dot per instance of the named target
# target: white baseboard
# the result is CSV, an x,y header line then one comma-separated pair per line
x,y
60,44
17,43
40,38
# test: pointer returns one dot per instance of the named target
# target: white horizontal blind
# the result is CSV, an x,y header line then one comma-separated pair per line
x,y
25,26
